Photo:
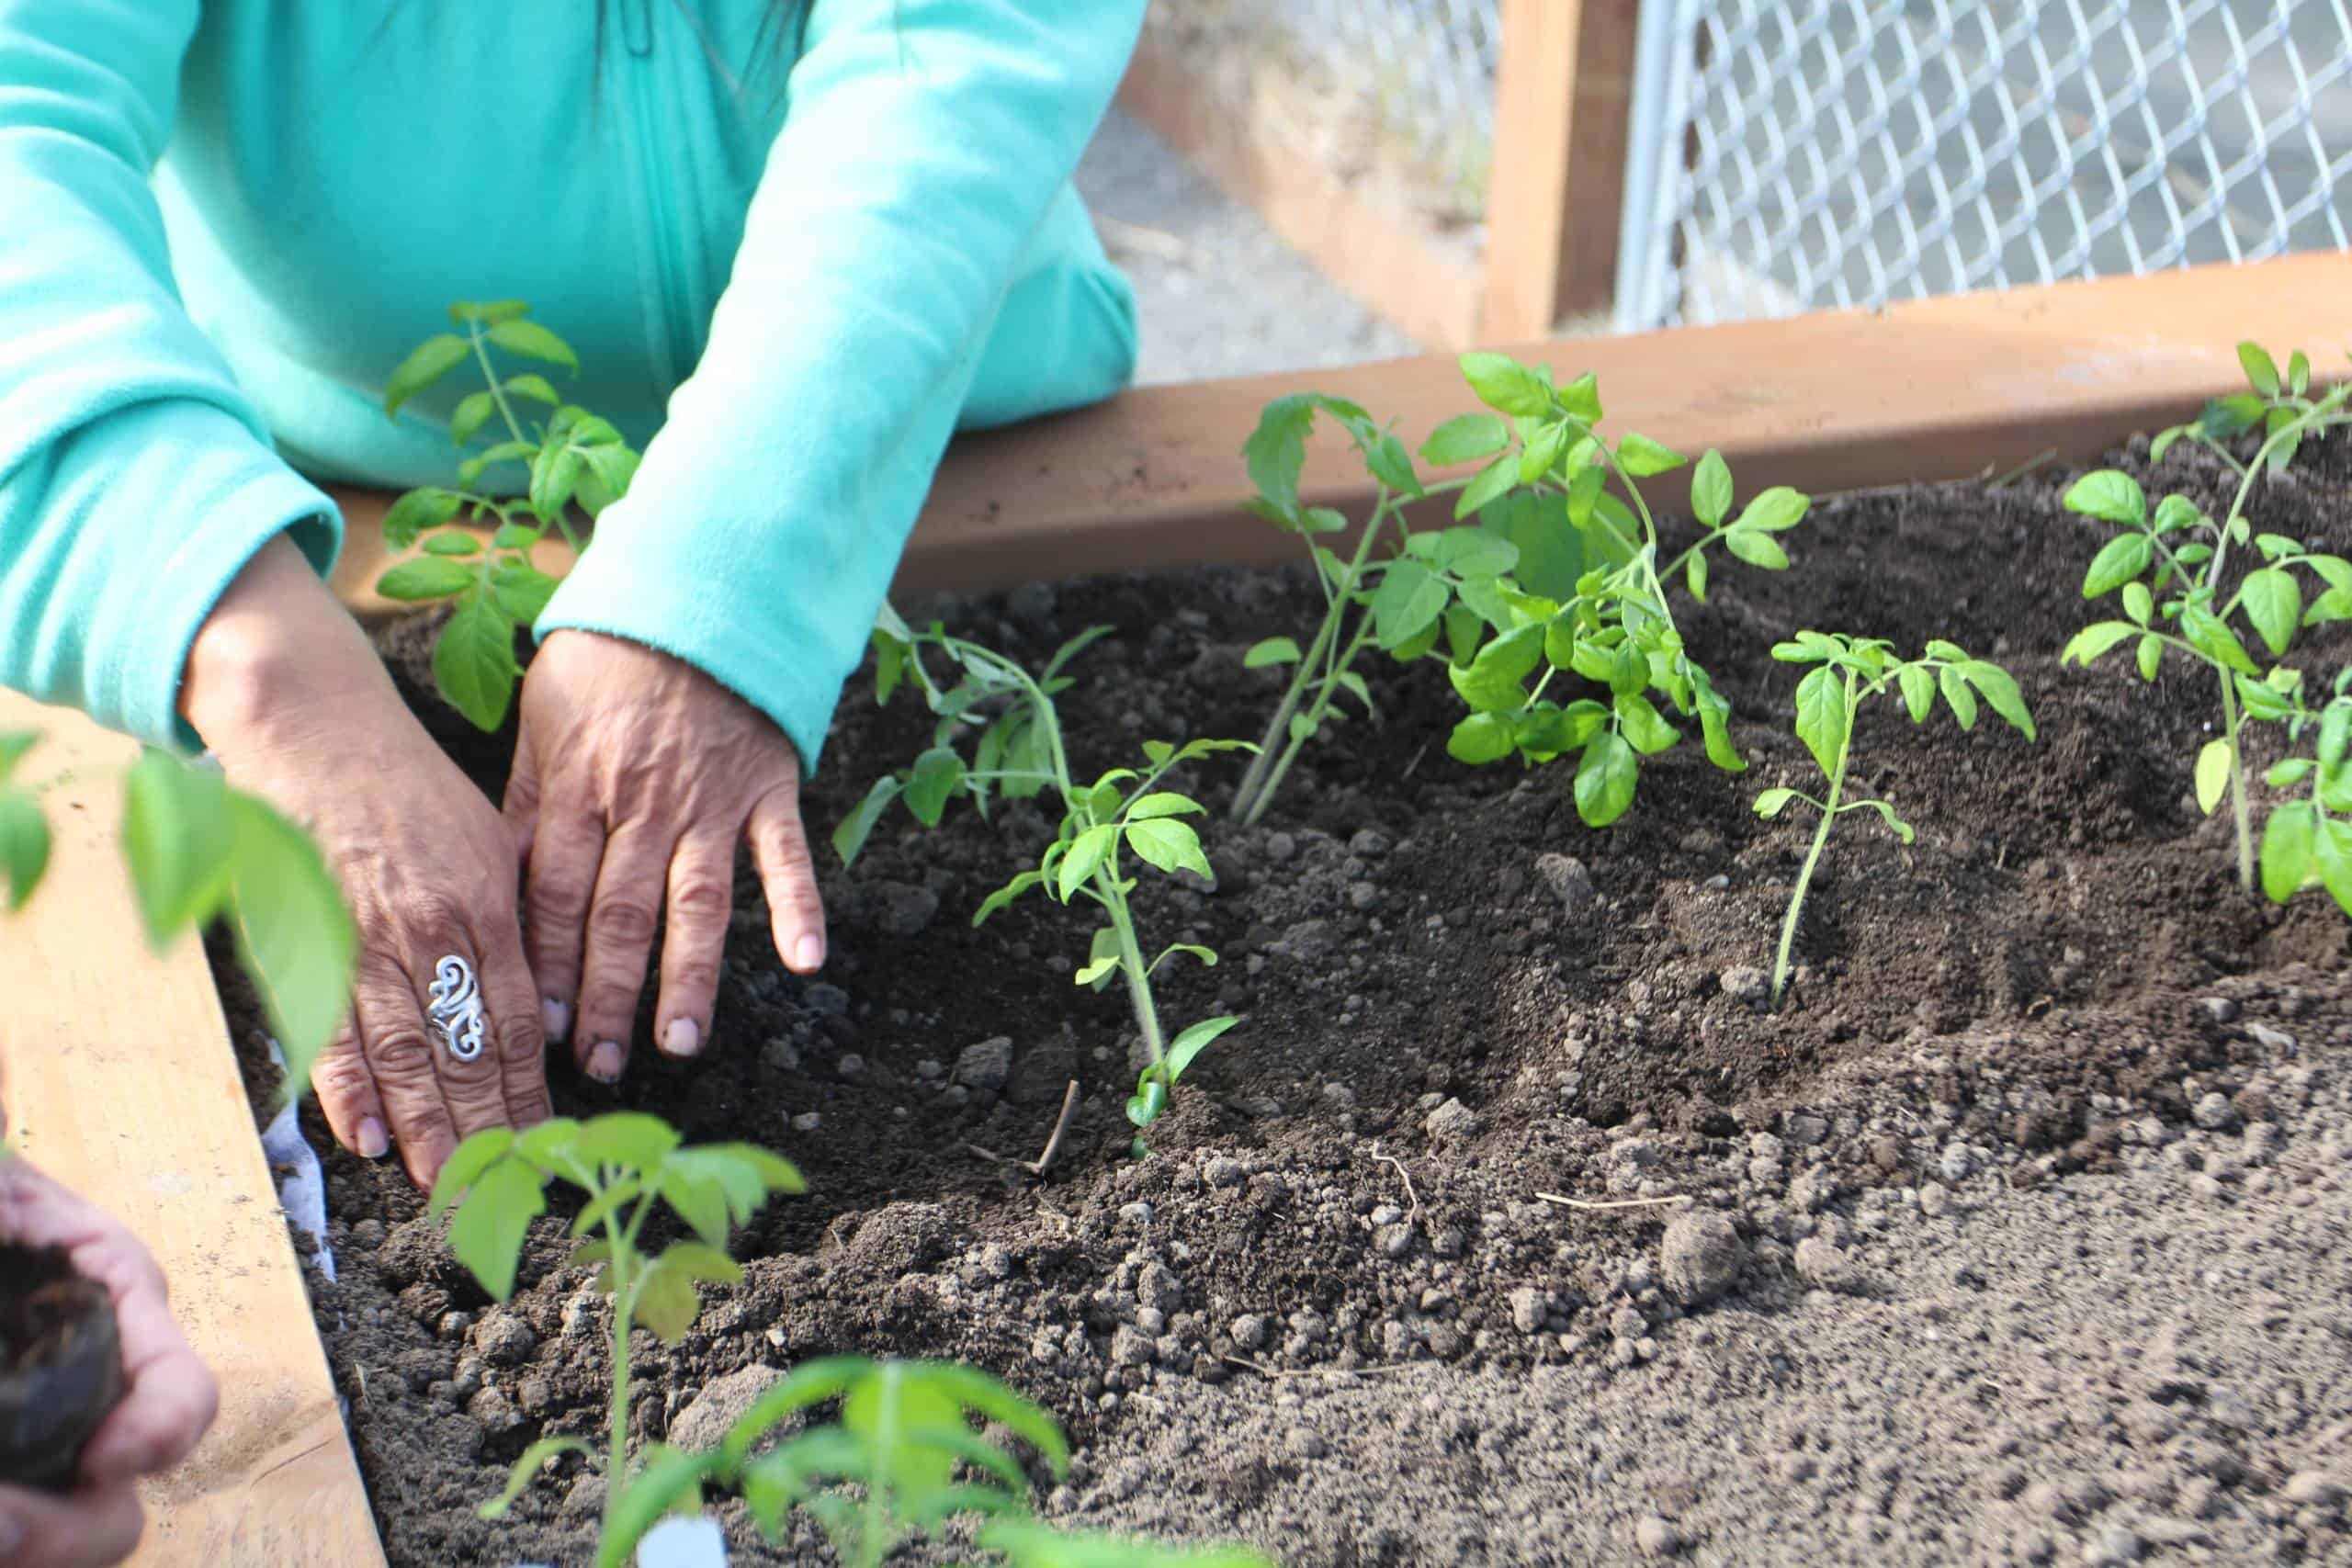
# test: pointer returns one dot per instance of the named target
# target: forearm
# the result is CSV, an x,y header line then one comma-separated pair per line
x,y
278,662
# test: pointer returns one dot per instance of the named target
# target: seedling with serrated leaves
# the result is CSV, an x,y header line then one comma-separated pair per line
x,y
627,1165
1589,595
1018,752
198,851
572,457
1848,671
2169,565
2307,841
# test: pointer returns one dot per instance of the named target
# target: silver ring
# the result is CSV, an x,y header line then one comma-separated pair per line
x,y
456,1009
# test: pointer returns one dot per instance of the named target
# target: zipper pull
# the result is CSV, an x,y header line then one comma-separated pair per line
x,y
637,27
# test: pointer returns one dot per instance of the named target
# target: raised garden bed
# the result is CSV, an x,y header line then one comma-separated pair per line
x,y
1331,1314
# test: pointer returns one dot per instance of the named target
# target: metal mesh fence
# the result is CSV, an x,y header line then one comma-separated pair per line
x,y
1792,154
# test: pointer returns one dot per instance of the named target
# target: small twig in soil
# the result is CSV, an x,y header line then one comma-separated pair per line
x,y
1415,762
1392,1160
2047,455
1616,1203
1053,1142
1265,1372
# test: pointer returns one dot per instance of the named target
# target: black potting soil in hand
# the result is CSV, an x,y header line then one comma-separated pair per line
x,y
60,1365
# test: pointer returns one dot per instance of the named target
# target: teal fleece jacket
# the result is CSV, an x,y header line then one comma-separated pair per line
x,y
796,246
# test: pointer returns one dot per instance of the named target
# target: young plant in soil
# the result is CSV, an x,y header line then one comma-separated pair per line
x,y
2169,566
627,1164
572,457
2307,841
1018,751
1591,594
1848,671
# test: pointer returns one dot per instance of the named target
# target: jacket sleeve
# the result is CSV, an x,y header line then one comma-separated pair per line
x,y
926,144
135,481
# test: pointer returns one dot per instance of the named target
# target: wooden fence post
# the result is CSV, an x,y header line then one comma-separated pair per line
x,y
1553,204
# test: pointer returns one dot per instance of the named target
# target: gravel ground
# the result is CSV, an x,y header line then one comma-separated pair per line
x,y
1219,293
2153,1364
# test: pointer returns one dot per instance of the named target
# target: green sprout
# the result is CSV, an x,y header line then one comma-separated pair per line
x,y
198,851
572,457
2308,841
1848,671
627,1164
1018,752
2177,551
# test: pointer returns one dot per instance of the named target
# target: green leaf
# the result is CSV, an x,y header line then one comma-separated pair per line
x,y
1480,738
1901,829
1714,723
521,590
1274,650
631,1140
431,360
14,744
1642,458
1822,715
487,1234
533,340
1506,385
2150,654
2332,851
2273,600
1006,894
1694,575
1774,511
2138,602
1957,696
1033,1543
472,412
2259,369
427,577
2335,732
610,471
1919,690
2288,840
417,511
1542,451
2109,495
1466,438
2233,415
1581,398
453,543
24,845
1164,803
555,473
2120,560
473,662
1410,598
2288,771
534,386
1639,721
1193,1041
1387,461
1772,802
525,1469
179,841
2298,373
295,937
466,1164
2212,637
1492,481
1756,548
1606,775
1493,682
1087,852
1168,844
849,836
2213,774
2001,692
1711,489
489,313
932,783
1275,453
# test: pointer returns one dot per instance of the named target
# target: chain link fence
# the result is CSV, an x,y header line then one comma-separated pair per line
x,y
1401,88
1796,154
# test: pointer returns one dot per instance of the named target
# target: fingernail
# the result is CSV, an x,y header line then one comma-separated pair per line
x,y
809,952
683,1039
372,1142
556,1017
605,1063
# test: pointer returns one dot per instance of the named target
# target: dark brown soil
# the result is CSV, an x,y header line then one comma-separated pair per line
x,y
61,1364
1433,1033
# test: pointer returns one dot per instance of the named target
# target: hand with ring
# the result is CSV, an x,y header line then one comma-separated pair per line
x,y
445,1037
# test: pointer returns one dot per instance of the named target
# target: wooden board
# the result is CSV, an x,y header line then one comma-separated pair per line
x,y
121,1083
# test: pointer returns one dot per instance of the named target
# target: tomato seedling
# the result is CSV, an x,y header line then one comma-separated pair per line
x,y
197,850
1018,752
2168,566
2308,841
1589,596
1848,671
627,1164
572,457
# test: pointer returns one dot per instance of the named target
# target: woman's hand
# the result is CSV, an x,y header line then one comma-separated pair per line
x,y
168,1404
636,777
288,693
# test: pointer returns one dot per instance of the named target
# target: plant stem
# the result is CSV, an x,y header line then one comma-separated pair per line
x,y
1813,856
497,391
1249,800
617,1455
2238,808
1294,744
1131,965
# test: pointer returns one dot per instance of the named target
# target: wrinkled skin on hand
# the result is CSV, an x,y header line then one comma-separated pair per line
x,y
634,778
